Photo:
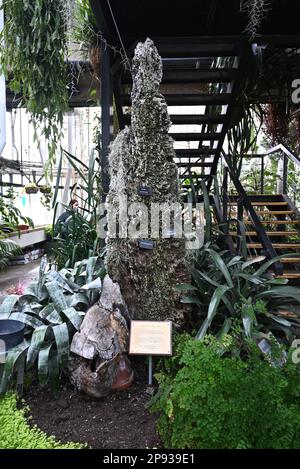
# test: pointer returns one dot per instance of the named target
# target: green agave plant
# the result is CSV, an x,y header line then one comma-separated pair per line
x,y
227,290
52,308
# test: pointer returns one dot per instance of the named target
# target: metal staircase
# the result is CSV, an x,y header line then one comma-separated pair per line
x,y
270,222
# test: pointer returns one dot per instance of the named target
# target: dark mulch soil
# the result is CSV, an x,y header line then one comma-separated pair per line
x,y
120,420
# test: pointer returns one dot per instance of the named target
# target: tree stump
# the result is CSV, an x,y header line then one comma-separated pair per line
x,y
98,350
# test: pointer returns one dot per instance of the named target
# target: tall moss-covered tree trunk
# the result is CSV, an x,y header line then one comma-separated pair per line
x,y
142,157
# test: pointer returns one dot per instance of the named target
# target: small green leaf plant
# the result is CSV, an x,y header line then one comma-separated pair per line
x,y
211,397
16,433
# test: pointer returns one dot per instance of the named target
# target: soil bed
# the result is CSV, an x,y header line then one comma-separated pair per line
x,y
120,420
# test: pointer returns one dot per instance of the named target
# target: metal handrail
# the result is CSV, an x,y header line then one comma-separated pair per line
x,y
261,232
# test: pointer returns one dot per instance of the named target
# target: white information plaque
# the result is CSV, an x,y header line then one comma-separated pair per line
x,y
150,338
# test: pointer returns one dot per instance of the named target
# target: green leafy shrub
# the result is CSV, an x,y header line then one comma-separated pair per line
x,y
209,397
15,432
76,238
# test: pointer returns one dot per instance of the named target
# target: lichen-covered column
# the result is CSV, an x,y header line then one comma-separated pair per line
x,y
143,172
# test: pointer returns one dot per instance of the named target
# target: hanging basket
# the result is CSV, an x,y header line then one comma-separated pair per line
x,y
31,189
45,189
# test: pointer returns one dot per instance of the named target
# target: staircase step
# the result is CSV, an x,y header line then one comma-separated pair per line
x,y
189,153
290,260
289,275
178,119
260,203
275,222
286,260
186,176
275,212
174,75
194,165
195,137
269,233
189,99
275,245
189,119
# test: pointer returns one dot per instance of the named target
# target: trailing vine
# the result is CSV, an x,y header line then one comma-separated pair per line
x,y
86,35
32,57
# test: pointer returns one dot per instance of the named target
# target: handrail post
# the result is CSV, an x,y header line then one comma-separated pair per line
x,y
262,174
284,177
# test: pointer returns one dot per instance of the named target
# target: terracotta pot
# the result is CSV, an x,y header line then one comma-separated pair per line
x,y
23,227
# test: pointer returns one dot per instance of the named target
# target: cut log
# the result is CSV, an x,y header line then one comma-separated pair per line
x,y
99,349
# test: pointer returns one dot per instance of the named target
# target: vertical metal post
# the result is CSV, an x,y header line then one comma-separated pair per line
x,y
262,175
150,370
284,178
106,103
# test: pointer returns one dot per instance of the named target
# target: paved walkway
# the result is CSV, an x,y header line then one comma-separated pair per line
x,y
16,274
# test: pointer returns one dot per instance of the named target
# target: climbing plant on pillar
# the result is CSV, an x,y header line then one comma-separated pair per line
x,y
32,57
143,173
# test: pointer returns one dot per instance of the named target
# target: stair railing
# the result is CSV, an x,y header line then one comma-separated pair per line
x,y
290,171
245,203
285,181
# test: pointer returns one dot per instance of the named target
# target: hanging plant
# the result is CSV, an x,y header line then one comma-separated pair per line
x,y
277,122
31,188
256,11
86,35
32,57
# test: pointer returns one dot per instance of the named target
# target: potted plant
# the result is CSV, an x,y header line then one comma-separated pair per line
x,y
31,188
